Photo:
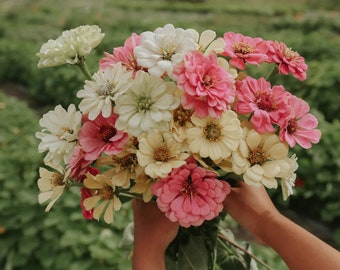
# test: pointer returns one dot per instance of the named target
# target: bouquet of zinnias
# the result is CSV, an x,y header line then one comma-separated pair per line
x,y
169,117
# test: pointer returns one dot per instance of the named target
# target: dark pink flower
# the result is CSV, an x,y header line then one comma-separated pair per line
x,y
208,88
78,164
289,62
300,126
123,54
243,49
267,105
190,195
100,136
85,193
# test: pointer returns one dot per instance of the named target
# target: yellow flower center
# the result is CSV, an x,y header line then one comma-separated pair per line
x,y
106,89
65,131
166,54
57,179
182,116
290,54
106,193
243,48
213,132
127,162
161,154
257,156
144,103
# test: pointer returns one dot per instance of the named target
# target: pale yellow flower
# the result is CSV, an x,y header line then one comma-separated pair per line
x,y
104,198
143,185
261,158
207,41
180,123
215,138
124,166
159,153
51,184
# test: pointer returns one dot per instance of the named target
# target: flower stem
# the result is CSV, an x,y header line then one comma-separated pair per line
x,y
83,67
223,237
272,73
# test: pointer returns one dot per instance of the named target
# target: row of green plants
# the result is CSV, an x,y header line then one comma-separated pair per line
x,y
28,237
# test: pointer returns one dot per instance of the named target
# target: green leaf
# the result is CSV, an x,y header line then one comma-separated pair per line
x,y
194,254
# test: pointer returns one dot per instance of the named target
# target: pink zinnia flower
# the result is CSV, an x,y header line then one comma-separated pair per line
x,y
267,104
78,164
209,89
101,136
243,49
190,195
289,61
300,126
123,54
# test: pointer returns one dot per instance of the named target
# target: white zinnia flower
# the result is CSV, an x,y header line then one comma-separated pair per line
x,y
100,93
162,49
288,177
70,47
51,184
261,158
159,153
60,133
215,137
146,105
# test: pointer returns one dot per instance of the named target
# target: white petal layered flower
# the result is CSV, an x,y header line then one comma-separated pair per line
x,y
162,49
216,138
288,177
70,46
159,153
59,134
146,105
262,158
99,94
51,184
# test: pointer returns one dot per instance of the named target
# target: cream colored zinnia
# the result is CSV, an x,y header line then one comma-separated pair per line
x,y
207,41
104,198
261,158
159,153
143,185
51,184
70,47
215,138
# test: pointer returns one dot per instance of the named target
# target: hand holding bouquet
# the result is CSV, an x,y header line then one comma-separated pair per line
x,y
170,117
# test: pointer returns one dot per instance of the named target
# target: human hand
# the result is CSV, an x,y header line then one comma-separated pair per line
x,y
250,206
153,232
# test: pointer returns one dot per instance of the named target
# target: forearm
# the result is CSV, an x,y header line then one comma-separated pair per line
x,y
297,247
144,258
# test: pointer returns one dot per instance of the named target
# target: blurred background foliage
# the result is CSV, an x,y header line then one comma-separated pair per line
x,y
62,239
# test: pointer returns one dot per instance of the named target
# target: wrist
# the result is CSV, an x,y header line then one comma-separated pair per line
x,y
268,225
